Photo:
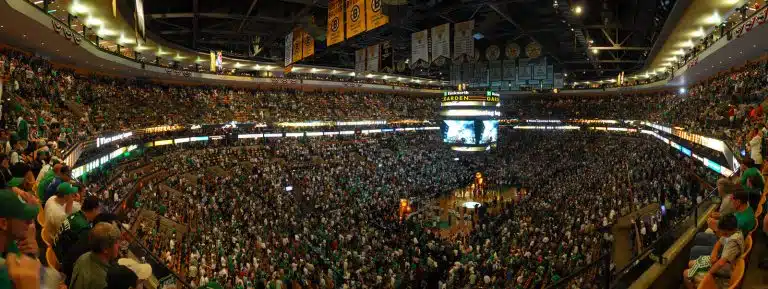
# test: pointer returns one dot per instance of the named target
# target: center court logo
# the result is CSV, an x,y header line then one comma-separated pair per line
x,y
356,13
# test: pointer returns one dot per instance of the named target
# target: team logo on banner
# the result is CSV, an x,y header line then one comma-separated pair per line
x,y
335,23
533,50
298,36
512,51
308,48
441,42
492,53
463,43
355,23
419,48
374,17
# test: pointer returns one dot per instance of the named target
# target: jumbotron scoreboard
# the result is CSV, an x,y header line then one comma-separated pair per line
x,y
470,120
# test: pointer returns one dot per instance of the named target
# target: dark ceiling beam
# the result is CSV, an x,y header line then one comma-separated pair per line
x,y
518,26
245,17
669,25
195,25
211,31
603,61
620,48
223,42
221,16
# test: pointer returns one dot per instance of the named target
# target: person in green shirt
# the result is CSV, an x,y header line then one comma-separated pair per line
x,y
76,226
748,169
16,219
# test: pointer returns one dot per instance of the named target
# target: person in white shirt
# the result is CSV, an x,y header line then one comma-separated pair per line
x,y
755,151
58,207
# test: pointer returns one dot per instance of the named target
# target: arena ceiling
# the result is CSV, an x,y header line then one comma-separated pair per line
x,y
588,39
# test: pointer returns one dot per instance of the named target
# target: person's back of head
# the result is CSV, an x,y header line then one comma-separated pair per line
x,y
728,223
103,240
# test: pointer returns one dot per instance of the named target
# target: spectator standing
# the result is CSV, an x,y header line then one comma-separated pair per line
x,y
90,271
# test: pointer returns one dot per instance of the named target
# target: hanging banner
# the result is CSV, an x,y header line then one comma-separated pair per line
x,y
419,47
463,43
539,72
559,81
355,18
481,74
523,69
494,70
387,57
372,61
510,70
298,36
213,61
308,48
374,16
219,61
441,42
289,49
466,72
455,74
550,73
360,62
335,32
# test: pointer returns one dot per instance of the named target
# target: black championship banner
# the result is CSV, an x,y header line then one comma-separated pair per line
x,y
387,57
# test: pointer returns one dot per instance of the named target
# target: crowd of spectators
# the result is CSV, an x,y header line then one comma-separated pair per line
x,y
244,227
322,212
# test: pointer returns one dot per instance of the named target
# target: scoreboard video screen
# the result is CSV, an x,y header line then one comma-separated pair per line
x,y
470,120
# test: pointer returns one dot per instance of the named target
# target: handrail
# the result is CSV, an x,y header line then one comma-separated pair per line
x,y
725,34
183,69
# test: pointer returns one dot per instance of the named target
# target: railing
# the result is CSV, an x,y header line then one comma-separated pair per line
x,y
180,70
164,275
724,30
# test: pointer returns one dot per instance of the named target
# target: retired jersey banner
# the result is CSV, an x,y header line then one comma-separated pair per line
x,y
355,18
387,57
372,61
360,62
510,70
539,72
494,70
298,36
308,47
374,16
441,41
419,47
289,49
335,32
523,69
463,43
558,80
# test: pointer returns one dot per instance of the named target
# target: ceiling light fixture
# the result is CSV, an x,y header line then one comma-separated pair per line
x,y
577,10
714,18
93,21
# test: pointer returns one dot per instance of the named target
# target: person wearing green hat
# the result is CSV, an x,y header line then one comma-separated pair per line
x,y
16,231
58,207
16,221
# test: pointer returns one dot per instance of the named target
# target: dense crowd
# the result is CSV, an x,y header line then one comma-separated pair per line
x,y
322,213
244,228
85,105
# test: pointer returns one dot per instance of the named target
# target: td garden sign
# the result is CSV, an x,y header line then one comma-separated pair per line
x,y
489,96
